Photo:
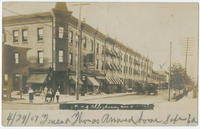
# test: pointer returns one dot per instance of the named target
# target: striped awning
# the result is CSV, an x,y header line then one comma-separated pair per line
x,y
109,80
113,67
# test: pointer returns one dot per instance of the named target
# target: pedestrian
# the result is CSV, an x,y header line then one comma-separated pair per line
x,y
49,94
174,93
42,94
57,96
53,94
45,93
31,97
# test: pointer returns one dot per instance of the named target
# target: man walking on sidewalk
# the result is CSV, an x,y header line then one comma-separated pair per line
x,y
57,96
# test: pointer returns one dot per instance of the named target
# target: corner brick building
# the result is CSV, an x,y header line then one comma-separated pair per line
x,y
51,42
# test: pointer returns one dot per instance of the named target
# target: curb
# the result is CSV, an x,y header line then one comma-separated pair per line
x,y
70,101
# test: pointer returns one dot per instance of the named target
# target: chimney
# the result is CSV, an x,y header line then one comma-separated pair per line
x,y
61,6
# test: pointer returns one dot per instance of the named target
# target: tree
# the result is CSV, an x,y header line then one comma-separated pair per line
x,y
179,78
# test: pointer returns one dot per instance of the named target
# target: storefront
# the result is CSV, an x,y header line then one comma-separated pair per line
x,y
92,85
37,81
73,83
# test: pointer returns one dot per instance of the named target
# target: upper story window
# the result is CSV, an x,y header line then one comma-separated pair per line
x,y
15,35
97,64
76,40
24,35
4,37
60,32
124,57
102,67
16,56
60,56
40,57
130,59
40,33
5,79
97,48
70,37
84,43
71,59
92,45
85,61
103,48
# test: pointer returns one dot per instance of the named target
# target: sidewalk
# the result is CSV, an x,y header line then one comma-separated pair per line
x,y
63,98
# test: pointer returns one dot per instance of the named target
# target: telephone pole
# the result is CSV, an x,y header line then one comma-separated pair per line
x,y
169,83
78,72
187,51
78,69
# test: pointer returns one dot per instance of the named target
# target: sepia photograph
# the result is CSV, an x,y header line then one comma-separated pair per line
x,y
100,63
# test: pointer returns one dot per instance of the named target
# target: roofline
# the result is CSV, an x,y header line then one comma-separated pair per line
x,y
74,19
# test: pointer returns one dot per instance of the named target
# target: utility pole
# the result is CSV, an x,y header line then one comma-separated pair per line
x,y
186,54
169,83
78,69
187,51
187,47
78,72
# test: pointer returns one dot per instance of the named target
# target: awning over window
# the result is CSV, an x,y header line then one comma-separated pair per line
x,y
117,80
114,80
37,78
113,67
93,81
74,80
121,81
109,80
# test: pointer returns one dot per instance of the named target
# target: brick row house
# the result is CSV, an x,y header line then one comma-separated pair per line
x,y
51,43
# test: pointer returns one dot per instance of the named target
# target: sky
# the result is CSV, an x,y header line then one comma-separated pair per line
x,y
147,28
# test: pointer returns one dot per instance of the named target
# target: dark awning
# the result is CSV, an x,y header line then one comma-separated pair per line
x,y
37,78
93,81
74,80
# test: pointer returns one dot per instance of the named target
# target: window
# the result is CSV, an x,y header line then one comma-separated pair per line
x,y
97,64
103,48
97,48
5,79
60,32
16,58
40,33
85,61
4,37
60,56
124,58
102,67
15,35
70,37
76,40
24,35
40,57
84,43
90,58
71,59
92,45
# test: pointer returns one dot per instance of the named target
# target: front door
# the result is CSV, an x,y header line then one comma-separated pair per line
x,y
16,82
